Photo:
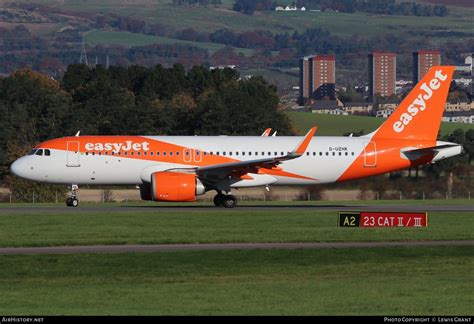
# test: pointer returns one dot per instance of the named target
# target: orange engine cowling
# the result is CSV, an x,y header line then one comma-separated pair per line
x,y
175,186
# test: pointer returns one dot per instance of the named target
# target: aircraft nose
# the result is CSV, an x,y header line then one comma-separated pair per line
x,y
19,167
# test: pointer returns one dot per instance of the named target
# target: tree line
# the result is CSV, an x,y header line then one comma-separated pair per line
x,y
132,100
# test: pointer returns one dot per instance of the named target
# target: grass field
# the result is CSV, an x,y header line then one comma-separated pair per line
x,y
220,226
331,125
379,281
375,281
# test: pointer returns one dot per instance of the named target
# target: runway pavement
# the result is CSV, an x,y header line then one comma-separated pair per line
x,y
226,246
34,209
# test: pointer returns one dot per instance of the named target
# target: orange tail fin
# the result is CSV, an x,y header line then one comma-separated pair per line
x,y
419,115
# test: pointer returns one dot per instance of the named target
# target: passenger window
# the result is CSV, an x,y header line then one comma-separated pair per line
x,y
119,153
320,153
151,153
276,153
87,153
314,153
93,153
250,153
106,153
211,153
164,153
333,153
230,153
113,153
47,152
100,153
256,153
352,153
131,153
307,153
243,153
217,153
124,153
340,153
347,154
223,153
157,153
171,153
327,153
177,153
237,153
39,152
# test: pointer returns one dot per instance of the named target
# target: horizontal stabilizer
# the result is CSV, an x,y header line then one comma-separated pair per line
x,y
415,154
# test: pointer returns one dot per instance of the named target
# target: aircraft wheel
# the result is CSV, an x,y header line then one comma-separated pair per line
x,y
75,202
230,201
72,202
219,200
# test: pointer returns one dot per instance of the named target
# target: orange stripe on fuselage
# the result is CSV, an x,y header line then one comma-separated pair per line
x,y
153,145
388,159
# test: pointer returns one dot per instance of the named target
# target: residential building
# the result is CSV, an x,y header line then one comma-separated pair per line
x,y
382,74
459,106
459,117
358,108
422,63
317,77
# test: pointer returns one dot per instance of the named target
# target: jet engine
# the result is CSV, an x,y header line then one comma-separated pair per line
x,y
172,186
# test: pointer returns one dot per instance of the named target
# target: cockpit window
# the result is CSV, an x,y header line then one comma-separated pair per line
x,y
47,152
39,152
32,152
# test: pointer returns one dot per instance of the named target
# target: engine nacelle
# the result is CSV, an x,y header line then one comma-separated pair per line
x,y
175,186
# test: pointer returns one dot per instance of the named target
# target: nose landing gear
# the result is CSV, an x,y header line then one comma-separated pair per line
x,y
227,201
72,200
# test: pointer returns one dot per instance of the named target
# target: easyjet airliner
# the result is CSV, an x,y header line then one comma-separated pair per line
x,y
179,168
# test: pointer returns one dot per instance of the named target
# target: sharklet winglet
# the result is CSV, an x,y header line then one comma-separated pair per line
x,y
303,144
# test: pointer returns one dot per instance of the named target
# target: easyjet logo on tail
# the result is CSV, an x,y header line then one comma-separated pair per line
x,y
420,102
116,147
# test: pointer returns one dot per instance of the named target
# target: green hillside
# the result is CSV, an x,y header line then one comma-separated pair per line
x,y
132,39
211,18
330,125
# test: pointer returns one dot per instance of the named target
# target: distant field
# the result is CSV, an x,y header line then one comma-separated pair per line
x,y
213,18
330,125
168,226
103,37
377,281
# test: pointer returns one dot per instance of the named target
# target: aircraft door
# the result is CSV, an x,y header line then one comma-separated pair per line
x,y
197,155
187,155
370,155
73,154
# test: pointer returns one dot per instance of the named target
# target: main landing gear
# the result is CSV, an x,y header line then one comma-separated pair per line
x,y
227,201
71,200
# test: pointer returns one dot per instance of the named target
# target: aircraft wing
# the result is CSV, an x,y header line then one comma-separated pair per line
x,y
237,169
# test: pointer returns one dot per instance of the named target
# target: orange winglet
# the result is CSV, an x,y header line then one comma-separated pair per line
x,y
303,145
267,132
